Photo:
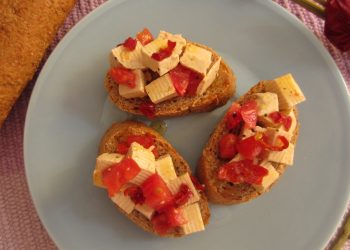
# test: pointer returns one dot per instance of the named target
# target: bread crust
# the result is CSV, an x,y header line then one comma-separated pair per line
x,y
219,92
108,145
222,192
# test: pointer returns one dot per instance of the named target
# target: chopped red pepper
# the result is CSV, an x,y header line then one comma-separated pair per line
x,y
244,171
135,194
182,196
130,43
280,118
148,109
119,174
145,36
282,143
249,112
227,146
123,76
250,147
164,53
197,184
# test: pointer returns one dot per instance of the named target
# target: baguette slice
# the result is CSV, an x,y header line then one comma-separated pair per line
x,y
108,144
219,92
223,192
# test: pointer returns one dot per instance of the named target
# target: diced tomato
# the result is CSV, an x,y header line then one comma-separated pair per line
x,y
144,36
148,109
233,116
130,43
123,76
135,194
168,219
122,148
227,146
156,192
180,77
282,143
119,174
165,52
197,184
280,118
249,147
146,140
155,152
243,171
249,112
183,195
195,79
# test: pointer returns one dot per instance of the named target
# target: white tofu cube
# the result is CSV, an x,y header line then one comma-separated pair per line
x,y
196,58
144,159
268,179
209,78
161,89
129,59
194,217
267,102
163,66
174,186
123,201
103,162
165,168
138,91
288,91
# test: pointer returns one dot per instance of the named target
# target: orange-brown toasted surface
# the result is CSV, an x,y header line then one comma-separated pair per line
x,y
223,192
219,92
123,129
27,27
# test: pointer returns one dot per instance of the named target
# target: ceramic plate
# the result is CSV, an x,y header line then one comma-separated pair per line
x,y
69,112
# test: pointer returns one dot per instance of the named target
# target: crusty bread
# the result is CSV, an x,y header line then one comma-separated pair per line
x,y
108,145
223,192
27,28
220,91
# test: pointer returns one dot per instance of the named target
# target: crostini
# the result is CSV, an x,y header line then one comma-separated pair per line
x,y
149,181
253,144
167,76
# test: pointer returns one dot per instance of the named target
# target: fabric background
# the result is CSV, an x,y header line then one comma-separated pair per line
x,y
20,227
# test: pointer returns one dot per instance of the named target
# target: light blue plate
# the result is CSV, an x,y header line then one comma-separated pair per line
x,y
69,112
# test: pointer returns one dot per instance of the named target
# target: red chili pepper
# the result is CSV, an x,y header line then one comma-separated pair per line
x,y
148,109
164,53
130,43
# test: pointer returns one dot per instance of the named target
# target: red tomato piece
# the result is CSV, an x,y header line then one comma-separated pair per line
x,y
144,36
197,184
135,194
119,174
183,195
122,148
227,146
148,109
249,147
156,192
130,43
249,113
233,116
282,143
194,81
164,53
168,219
180,77
243,171
280,118
123,76
146,140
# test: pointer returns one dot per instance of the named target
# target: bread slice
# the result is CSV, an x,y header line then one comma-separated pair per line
x,y
108,145
223,192
219,92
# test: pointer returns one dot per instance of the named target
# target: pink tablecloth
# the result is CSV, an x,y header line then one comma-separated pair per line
x,y
20,227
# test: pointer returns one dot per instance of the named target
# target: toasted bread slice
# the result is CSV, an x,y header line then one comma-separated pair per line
x,y
108,145
219,92
224,192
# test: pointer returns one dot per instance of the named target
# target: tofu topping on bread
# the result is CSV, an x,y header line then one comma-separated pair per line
x,y
253,144
139,75
147,185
